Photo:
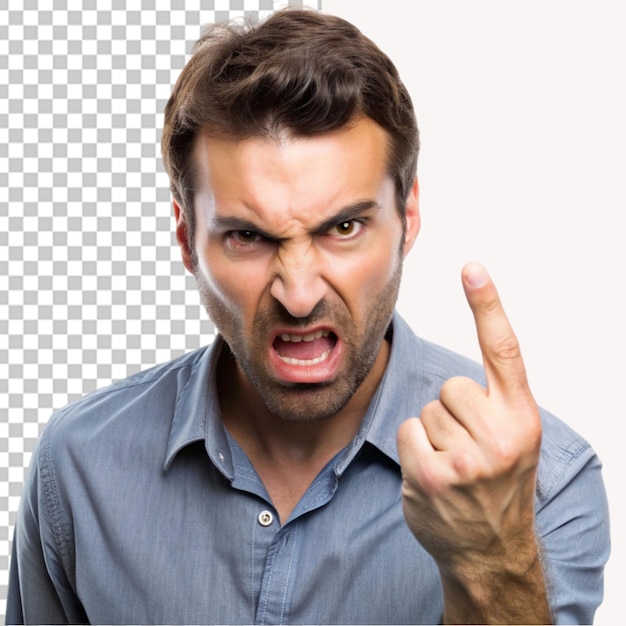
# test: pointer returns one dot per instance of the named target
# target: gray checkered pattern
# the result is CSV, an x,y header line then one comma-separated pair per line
x,y
91,284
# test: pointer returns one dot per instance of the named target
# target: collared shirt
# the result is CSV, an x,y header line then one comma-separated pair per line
x,y
140,508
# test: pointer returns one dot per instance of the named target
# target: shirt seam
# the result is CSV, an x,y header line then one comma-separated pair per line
x,y
53,510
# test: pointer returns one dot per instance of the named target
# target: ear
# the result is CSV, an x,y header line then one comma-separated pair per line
x,y
182,237
412,217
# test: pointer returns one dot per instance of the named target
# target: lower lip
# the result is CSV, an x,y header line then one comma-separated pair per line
x,y
321,372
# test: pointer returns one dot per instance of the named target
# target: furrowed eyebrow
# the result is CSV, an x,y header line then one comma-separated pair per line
x,y
346,214
237,223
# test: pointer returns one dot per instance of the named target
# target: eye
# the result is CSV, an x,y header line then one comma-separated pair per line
x,y
245,236
243,240
347,229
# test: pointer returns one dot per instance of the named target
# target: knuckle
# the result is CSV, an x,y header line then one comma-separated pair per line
x,y
458,387
506,453
510,451
534,433
491,304
507,348
431,482
431,412
466,467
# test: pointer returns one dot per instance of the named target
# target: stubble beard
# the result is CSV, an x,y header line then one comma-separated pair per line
x,y
305,402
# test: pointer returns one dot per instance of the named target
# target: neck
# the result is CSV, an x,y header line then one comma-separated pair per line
x,y
288,455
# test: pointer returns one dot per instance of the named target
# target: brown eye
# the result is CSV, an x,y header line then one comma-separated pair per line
x,y
243,240
245,236
346,228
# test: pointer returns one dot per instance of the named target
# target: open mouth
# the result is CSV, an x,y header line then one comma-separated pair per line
x,y
305,349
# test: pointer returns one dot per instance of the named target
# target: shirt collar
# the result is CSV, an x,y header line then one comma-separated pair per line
x,y
395,399
197,414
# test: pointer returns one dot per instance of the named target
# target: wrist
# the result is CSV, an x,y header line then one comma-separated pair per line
x,y
496,589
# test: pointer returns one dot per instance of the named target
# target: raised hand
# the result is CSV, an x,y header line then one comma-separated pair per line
x,y
469,469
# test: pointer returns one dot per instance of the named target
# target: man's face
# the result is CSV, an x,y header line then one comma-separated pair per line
x,y
298,255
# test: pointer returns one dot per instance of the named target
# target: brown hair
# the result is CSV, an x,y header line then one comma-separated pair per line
x,y
300,72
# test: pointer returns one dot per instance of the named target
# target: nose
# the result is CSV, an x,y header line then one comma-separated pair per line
x,y
298,283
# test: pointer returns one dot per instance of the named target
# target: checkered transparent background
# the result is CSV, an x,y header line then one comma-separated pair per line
x,y
91,284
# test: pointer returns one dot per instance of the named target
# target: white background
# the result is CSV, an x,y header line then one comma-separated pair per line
x,y
522,111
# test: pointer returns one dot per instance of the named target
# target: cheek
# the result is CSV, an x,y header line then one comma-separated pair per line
x,y
238,286
361,281
382,260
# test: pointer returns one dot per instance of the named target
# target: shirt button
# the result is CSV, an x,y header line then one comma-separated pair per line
x,y
265,518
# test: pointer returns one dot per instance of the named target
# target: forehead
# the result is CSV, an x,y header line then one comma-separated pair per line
x,y
289,178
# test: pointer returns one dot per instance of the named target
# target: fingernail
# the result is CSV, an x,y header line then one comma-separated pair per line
x,y
475,275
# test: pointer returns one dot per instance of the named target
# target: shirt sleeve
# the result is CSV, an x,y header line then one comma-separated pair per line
x,y
39,590
573,524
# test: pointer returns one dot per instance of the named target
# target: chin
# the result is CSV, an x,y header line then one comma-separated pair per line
x,y
308,403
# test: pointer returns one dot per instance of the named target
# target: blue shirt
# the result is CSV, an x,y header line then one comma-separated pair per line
x,y
140,508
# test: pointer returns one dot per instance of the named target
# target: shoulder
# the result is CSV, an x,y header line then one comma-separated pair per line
x,y
141,402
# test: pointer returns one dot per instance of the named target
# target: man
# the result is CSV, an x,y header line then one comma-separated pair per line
x,y
274,477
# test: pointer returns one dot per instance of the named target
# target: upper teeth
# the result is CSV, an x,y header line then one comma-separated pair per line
x,y
309,337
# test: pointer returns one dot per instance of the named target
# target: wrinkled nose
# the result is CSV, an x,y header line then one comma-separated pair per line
x,y
298,283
